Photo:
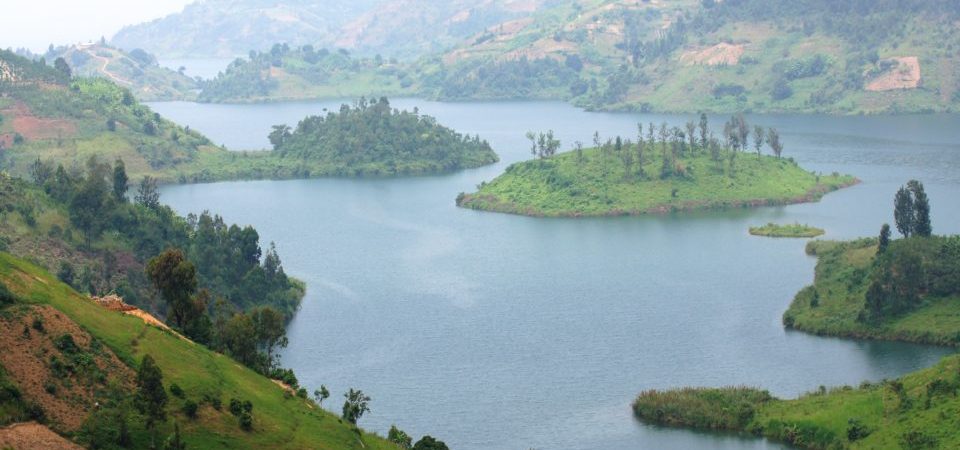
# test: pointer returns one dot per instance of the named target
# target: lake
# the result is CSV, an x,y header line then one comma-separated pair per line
x,y
492,331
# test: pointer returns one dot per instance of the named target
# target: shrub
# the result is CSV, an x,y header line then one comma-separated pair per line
x,y
236,408
176,390
856,430
246,421
6,297
190,409
38,324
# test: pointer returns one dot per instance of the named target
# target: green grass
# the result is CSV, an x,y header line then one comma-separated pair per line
x,y
925,410
279,422
562,186
786,231
832,305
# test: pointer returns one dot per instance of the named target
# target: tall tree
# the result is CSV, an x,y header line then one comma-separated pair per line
x,y
90,204
321,394
921,209
270,327
151,398
120,180
176,280
61,65
704,130
903,213
692,136
884,241
279,135
355,406
773,140
758,138
148,194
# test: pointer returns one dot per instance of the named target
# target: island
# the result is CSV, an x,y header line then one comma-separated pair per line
x,y
880,288
786,231
668,169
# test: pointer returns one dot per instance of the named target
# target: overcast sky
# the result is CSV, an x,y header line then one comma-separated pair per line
x,y
35,24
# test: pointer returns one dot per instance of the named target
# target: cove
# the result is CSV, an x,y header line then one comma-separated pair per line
x,y
493,331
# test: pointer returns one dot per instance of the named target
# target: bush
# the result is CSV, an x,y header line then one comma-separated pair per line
x,y
176,390
246,421
6,297
190,409
856,430
236,408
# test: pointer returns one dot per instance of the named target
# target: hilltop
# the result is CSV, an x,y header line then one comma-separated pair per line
x,y
136,70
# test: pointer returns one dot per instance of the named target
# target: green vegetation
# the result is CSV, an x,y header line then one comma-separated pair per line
x,y
286,73
904,289
786,231
370,138
914,412
668,170
136,70
205,377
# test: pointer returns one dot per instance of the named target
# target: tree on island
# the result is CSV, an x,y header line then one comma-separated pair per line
x,y
758,138
911,210
773,140
903,211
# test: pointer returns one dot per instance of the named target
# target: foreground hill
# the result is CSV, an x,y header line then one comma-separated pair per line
x,y
136,70
99,352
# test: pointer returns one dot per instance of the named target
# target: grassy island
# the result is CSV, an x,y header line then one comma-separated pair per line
x,y
677,171
786,231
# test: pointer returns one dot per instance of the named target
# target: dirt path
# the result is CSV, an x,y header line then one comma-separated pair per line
x,y
33,436
103,68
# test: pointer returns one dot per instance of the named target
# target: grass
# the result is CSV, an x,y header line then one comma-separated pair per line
x,y
914,412
786,231
279,422
563,186
832,305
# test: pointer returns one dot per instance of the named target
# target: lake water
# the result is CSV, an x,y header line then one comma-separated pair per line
x,y
493,331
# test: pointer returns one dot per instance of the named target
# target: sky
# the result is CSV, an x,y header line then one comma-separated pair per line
x,y
35,24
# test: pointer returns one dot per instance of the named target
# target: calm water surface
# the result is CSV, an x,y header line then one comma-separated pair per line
x,y
493,331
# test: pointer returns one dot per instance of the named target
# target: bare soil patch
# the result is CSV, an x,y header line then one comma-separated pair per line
x,y
905,74
50,376
720,54
33,436
32,127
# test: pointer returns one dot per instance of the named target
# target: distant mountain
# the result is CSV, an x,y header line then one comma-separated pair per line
x,y
228,28
403,28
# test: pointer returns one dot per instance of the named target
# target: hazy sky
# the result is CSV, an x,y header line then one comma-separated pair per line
x,y
35,24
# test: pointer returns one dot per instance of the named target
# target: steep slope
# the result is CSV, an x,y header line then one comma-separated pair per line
x,y
228,28
210,379
136,70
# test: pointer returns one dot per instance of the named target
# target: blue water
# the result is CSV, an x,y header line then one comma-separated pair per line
x,y
493,331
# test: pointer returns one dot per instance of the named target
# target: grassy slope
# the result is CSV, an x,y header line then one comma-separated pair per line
x,y
789,231
278,422
842,279
560,186
821,419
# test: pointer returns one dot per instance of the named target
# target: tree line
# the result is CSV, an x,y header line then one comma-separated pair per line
x,y
671,144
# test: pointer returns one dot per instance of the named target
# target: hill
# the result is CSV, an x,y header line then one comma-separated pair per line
x,y
808,56
228,28
48,115
674,175
395,28
95,351
136,70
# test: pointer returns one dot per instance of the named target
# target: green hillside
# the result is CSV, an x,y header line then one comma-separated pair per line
x,y
210,379
807,56
675,175
136,70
